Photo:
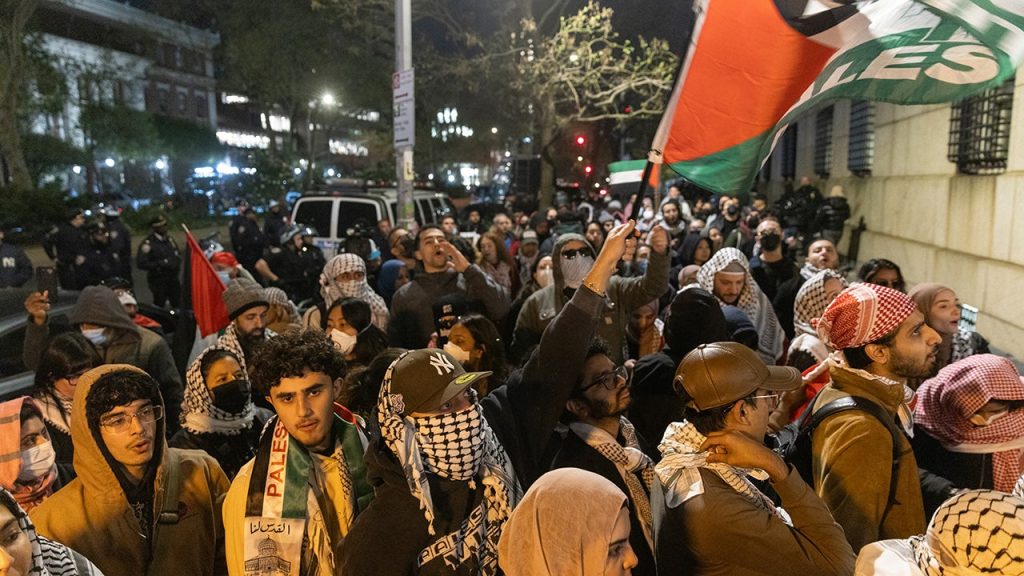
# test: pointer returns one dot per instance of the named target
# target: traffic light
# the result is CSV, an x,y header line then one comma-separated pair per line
x,y
588,169
581,140
627,109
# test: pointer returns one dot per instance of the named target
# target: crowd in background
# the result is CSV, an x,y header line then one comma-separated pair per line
x,y
707,389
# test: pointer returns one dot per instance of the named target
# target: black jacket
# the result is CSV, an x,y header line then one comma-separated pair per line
x,y
15,267
231,451
159,256
575,453
522,414
943,471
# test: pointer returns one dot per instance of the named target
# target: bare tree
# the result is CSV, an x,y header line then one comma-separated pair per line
x,y
14,15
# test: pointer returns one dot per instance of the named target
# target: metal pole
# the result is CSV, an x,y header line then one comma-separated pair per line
x,y
403,154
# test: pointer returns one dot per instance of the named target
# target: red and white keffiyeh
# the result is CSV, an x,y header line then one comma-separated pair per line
x,y
862,314
947,402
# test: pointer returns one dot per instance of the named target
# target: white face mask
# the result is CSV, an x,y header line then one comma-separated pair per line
x,y
648,214
457,352
983,420
97,336
225,277
545,276
575,270
342,341
37,462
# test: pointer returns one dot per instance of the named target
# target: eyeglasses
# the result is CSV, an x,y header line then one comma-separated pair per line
x,y
610,380
773,403
121,422
573,253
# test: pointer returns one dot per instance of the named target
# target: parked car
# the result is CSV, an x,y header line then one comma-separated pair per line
x,y
15,378
338,214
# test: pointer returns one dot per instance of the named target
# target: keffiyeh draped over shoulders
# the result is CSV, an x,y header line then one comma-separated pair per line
x,y
48,558
752,301
332,290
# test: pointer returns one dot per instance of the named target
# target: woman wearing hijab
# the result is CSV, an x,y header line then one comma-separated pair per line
x,y
970,427
66,357
344,276
218,415
644,331
941,309
570,523
23,552
695,249
28,467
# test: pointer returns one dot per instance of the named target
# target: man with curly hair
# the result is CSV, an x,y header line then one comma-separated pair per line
x,y
291,506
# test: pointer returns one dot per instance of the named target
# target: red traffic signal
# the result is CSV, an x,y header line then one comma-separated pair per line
x,y
581,140
588,169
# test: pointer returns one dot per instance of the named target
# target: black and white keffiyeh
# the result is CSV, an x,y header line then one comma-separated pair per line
x,y
332,290
752,301
809,270
49,558
199,415
811,301
974,532
229,340
493,469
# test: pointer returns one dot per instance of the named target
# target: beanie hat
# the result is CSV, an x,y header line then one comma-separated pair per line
x,y
243,294
862,314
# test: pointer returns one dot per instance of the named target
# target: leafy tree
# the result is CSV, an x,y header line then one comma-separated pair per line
x,y
187,144
14,17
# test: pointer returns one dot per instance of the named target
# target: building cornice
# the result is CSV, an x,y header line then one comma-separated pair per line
x,y
134,18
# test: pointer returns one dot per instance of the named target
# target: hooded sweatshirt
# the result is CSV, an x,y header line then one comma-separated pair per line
x,y
126,344
93,515
624,296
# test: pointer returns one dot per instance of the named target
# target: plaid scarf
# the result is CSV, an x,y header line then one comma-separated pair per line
x,y
199,415
681,459
332,290
752,301
630,461
493,467
948,401
811,301
287,496
48,558
229,340
974,532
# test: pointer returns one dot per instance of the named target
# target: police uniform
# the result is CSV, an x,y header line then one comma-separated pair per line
x,y
247,241
159,256
121,243
274,225
98,261
15,267
65,243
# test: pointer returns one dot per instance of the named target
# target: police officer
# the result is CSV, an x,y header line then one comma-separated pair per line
x,y
247,241
15,267
99,261
275,223
312,256
120,241
160,258
65,243
286,266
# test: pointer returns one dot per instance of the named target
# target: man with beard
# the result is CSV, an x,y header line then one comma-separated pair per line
x,y
247,308
160,258
882,341
673,223
602,440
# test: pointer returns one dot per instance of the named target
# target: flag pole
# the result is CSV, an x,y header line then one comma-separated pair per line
x,y
653,158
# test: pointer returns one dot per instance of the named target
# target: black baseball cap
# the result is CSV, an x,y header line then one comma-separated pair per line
x,y
427,378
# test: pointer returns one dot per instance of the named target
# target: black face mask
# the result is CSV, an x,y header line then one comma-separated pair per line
x,y
732,210
231,397
770,242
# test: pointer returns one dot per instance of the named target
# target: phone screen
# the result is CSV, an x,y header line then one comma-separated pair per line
x,y
46,281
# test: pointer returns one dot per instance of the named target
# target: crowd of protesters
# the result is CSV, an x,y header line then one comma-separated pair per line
x,y
560,392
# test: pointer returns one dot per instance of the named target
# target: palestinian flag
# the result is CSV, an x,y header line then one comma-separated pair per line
x,y
755,66
624,178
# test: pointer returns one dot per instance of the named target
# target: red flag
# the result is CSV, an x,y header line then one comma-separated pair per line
x,y
207,304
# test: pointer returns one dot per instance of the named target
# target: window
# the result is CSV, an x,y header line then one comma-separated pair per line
x,y
823,143
164,99
861,155
979,131
787,151
315,213
201,107
355,210
84,90
183,102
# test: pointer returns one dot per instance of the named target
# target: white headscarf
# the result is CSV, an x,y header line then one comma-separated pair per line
x,y
752,301
332,290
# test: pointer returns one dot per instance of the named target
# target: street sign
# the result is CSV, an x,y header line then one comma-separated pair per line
x,y
403,101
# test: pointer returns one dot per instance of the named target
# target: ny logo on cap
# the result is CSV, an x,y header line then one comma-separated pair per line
x,y
439,361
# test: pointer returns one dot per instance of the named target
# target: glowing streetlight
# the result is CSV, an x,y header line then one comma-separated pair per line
x,y
328,99
494,129
109,162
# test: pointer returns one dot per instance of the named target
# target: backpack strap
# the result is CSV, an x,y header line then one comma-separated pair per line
x,y
172,486
806,425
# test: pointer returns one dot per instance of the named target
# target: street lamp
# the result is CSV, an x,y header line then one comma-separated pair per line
x,y
328,99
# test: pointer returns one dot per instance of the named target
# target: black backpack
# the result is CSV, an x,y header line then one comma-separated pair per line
x,y
793,442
